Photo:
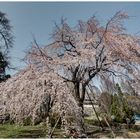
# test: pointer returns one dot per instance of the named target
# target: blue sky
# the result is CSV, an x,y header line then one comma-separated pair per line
x,y
38,18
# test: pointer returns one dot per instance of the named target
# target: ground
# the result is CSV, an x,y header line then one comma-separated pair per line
x,y
15,131
121,131
92,129
40,131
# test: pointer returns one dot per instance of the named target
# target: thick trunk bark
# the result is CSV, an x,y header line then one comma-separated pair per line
x,y
83,93
77,92
80,94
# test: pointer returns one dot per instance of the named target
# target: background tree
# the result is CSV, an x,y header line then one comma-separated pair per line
x,y
6,42
116,106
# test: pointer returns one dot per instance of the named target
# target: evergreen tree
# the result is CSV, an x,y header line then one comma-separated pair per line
x,y
6,42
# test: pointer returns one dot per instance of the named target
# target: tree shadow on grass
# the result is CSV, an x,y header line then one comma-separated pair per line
x,y
2,129
97,134
31,134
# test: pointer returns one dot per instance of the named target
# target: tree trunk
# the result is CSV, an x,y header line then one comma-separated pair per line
x,y
80,95
77,92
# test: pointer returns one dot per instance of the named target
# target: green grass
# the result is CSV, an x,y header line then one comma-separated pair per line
x,y
16,131
91,120
88,120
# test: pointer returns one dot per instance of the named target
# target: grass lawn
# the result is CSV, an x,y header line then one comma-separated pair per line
x,y
16,131
40,131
